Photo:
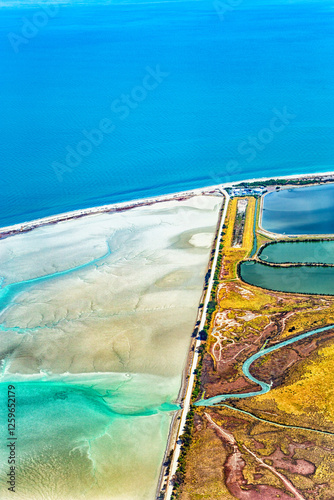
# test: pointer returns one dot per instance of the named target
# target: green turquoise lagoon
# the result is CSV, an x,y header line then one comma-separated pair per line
x,y
317,252
297,279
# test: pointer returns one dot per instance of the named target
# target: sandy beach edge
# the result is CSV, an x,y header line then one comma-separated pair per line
x,y
168,467
316,175
24,226
21,227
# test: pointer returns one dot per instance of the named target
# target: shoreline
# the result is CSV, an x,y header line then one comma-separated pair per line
x,y
193,357
175,429
24,226
178,418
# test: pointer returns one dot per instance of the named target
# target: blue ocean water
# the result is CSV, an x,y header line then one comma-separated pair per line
x,y
249,93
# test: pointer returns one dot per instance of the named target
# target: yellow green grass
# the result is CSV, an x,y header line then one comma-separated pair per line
x,y
312,393
233,255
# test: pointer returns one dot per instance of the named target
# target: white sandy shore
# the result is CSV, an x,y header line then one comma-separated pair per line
x,y
24,226
126,205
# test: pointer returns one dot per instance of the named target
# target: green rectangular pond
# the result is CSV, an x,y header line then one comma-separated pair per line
x,y
297,279
318,252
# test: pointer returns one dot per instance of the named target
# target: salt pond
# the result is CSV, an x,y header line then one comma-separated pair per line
x,y
298,279
308,210
299,251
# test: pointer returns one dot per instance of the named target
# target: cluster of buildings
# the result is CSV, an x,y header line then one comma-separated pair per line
x,y
243,191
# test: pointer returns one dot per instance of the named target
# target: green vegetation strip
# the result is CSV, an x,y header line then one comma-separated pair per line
x,y
186,437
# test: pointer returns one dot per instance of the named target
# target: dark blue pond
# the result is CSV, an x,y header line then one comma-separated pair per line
x,y
308,210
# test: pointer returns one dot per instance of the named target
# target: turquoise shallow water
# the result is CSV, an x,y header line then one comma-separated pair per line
x,y
226,76
72,429
295,252
71,439
10,291
96,317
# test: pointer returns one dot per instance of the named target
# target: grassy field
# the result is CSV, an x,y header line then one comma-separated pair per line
x,y
233,255
312,392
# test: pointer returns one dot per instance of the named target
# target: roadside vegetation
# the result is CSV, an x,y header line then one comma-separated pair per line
x,y
287,182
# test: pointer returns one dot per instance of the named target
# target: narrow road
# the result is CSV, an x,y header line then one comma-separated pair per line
x,y
187,399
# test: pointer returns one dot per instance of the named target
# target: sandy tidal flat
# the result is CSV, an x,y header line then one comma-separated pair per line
x,y
96,318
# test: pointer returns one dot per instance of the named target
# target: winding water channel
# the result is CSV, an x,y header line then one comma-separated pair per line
x,y
247,364
8,292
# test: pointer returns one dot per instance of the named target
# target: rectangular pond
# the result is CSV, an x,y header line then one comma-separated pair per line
x,y
297,279
307,210
318,252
